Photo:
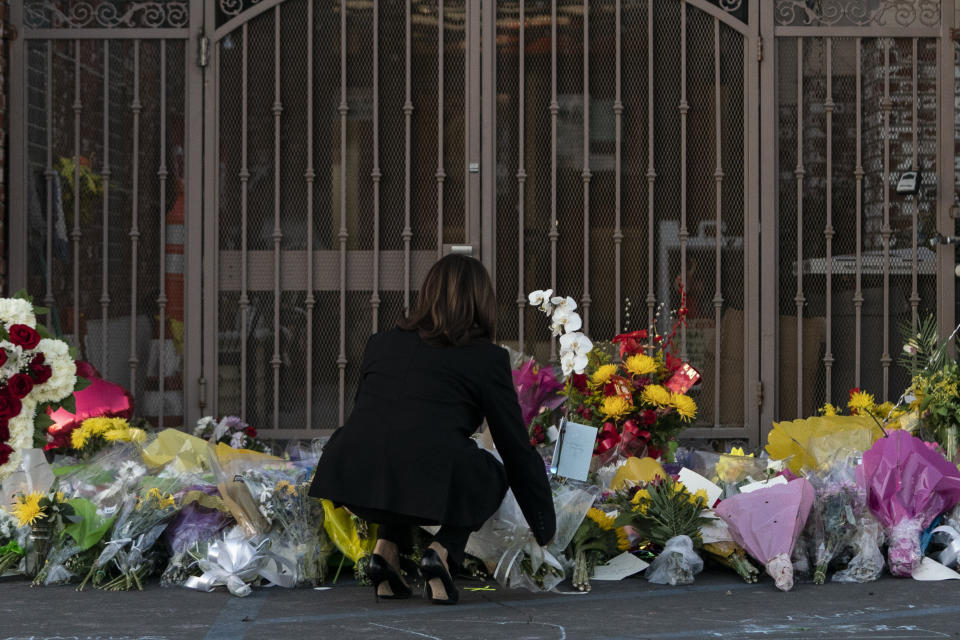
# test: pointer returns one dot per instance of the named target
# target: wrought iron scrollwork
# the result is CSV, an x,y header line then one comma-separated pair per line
x,y
40,14
235,7
858,13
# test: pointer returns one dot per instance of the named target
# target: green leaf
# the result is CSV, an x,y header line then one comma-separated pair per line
x,y
69,403
44,332
11,547
42,420
62,471
92,526
74,352
82,383
23,295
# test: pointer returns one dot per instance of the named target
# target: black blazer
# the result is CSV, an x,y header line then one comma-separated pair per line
x,y
406,447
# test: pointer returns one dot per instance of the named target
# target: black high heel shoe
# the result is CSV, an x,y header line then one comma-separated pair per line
x,y
432,567
379,571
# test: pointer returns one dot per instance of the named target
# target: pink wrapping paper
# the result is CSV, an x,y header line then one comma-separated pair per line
x,y
907,484
536,389
767,523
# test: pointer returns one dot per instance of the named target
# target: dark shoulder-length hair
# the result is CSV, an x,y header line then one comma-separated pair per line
x,y
456,303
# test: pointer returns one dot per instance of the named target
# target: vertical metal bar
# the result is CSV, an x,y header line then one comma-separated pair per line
x,y
946,156
342,235
17,243
105,277
828,229
651,173
375,174
915,267
135,108
799,299
275,361
585,175
521,176
162,211
473,124
752,402
441,174
767,315
407,115
244,178
683,108
858,178
50,174
718,231
554,111
487,124
617,175
75,234
309,175
885,232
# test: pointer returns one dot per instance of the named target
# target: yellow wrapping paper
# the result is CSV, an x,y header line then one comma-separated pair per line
x,y
184,452
234,461
815,442
338,523
637,471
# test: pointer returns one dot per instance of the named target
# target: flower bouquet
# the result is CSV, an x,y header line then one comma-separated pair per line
x,y
907,484
635,397
596,541
202,516
834,516
77,547
36,372
95,434
12,541
297,521
47,514
538,392
230,430
767,523
125,560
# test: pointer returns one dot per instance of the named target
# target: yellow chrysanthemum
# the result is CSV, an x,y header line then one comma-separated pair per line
x,y
829,410
861,401
699,498
61,497
738,451
137,436
623,541
656,395
603,521
117,435
286,487
684,405
100,426
640,364
640,495
603,374
79,437
615,407
26,509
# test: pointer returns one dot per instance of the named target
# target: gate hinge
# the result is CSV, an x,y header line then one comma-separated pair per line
x,y
203,51
760,49
759,393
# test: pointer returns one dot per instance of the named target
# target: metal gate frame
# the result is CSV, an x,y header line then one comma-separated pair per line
x,y
769,157
193,398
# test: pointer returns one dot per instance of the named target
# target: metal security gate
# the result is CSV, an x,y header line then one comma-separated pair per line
x,y
104,195
863,92
220,201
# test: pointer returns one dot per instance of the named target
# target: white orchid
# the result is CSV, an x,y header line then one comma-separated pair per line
x,y
565,322
576,343
541,299
571,362
567,304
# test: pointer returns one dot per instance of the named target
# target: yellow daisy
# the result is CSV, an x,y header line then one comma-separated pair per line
x,y
603,374
861,401
656,395
640,364
26,509
699,498
684,405
614,407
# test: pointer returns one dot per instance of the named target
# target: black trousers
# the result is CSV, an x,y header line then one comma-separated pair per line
x,y
398,529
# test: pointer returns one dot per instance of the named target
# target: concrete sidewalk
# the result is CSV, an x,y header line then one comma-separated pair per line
x,y
717,606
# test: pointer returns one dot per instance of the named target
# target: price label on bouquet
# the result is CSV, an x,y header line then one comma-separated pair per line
x,y
574,450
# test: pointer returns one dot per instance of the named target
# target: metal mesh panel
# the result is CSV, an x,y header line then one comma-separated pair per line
x,y
454,149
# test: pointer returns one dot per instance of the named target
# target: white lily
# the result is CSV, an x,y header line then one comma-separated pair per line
x,y
575,342
541,299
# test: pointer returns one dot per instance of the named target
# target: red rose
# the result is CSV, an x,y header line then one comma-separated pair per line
x,y
610,389
9,405
20,385
3,357
24,336
251,432
579,381
5,451
40,358
649,416
4,430
40,373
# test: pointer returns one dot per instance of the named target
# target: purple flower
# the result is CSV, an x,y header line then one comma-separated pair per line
x,y
234,422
